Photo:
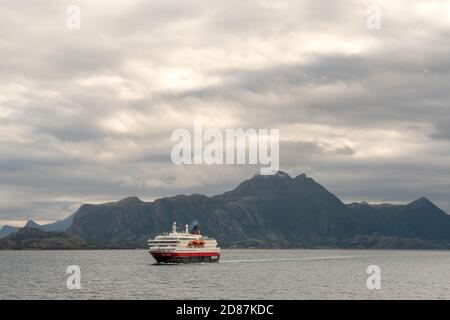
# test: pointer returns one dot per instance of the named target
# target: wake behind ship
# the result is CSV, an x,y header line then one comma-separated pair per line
x,y
184,247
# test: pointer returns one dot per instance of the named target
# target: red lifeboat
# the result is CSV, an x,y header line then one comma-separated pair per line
x,y
196,243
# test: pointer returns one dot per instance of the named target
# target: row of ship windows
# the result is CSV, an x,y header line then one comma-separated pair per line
x,y
166,241
185,238
163,242
161,246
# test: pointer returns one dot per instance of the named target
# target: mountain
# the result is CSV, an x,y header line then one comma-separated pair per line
x,y
267,211
418,219
60,225
264,211
31,224
276,211
7,230
33,238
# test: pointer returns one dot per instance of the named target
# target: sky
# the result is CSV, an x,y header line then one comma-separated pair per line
x,y
86,114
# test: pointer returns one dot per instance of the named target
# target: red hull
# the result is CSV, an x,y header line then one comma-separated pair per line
x,y
185,257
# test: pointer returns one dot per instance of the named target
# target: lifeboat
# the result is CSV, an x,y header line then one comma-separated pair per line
x,y
196,243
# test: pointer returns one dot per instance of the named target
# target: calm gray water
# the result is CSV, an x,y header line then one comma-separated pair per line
x,y
241,274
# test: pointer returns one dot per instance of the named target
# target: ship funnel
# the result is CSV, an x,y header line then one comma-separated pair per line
x,y
186,227
194,227
174,227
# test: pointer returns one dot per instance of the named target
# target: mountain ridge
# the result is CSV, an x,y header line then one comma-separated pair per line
x,y
35,238
269,212
59,225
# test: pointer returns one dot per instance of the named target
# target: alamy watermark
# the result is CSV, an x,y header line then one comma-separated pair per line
x,y
373,20
74,280
233,146
73,21
374,280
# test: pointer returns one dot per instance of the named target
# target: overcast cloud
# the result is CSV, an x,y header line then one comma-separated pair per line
x,y
86,115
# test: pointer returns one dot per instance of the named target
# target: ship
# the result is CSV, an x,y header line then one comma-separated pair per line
x,y
184,247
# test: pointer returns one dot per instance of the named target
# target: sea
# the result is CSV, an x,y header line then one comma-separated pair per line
x,y
240,274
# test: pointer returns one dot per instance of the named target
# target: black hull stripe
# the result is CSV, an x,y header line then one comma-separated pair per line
x,y
197,259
